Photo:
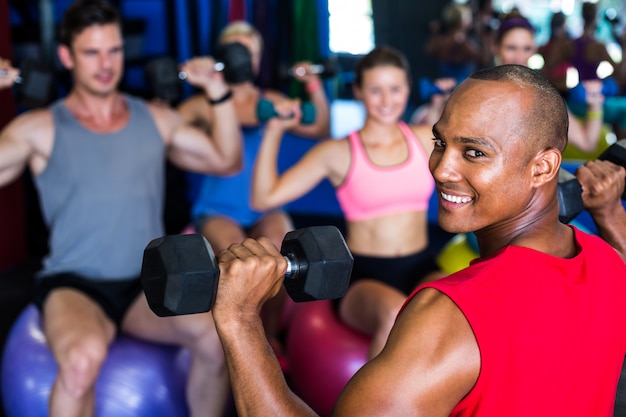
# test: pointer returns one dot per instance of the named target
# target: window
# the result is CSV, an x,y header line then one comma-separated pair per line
x,y
351,26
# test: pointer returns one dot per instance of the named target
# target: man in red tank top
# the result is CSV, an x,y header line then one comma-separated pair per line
x,y
532,327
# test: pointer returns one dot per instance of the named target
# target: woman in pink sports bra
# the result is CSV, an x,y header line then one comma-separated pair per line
x,y
383,185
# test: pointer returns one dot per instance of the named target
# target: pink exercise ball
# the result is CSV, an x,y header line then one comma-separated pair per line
x,y
137,379
322,354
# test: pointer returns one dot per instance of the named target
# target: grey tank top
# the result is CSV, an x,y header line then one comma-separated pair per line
x,y
102,195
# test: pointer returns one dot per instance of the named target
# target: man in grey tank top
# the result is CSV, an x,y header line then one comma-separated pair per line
x,y
98,159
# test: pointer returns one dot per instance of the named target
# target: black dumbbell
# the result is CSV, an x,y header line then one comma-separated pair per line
x,y
327,68
165,79
265,110
570,190
180,275
35,84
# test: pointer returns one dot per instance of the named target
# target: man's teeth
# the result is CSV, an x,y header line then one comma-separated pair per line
x,y
455,199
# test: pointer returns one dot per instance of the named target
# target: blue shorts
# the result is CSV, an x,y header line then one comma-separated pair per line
x,y
113,296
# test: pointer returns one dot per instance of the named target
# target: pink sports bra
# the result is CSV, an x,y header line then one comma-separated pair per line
x,y
371,191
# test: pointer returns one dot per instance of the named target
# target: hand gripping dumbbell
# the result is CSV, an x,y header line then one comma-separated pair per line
x,y
36,82
570,190
180,274
265,110
165,79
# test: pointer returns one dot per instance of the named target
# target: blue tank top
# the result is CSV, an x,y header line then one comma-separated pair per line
x,y
102,195
230,195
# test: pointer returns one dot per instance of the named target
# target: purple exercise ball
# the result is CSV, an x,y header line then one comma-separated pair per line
x,y
137,379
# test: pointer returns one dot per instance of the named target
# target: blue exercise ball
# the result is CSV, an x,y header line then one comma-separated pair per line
x,y
137,379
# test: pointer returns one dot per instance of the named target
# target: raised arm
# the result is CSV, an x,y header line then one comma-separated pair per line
x,y
320,128
429,364
269,188
27,137
603,185
190,148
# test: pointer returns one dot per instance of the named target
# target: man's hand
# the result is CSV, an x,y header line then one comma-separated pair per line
x,y
201,73
250,274
603,185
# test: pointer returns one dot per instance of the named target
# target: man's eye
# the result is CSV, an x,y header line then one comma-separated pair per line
x,y
473,153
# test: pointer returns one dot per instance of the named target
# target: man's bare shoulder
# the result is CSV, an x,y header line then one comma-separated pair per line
x,y
430,362
33,126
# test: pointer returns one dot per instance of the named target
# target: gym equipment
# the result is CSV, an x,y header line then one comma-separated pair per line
x,y
326,69
35,84
609,89
265,111
165,79
322,354
457,253
137,379
570,190
180,275
569,193
427,89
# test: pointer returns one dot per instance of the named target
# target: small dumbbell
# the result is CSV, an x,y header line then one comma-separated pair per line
x,y
165,79
265,110
326,69
570,190
180,275
35,82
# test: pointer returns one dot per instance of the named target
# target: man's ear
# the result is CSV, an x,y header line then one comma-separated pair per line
x,y
65,56
546,166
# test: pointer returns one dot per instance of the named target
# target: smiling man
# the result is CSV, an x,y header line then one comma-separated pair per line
x,y
532,327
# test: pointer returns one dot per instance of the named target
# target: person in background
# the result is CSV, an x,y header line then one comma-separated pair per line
x,y
589,53
98,161
382,183
515,44
221,208
451,45
558,52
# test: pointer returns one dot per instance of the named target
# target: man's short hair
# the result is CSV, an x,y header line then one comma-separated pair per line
x,y
85,13
547,120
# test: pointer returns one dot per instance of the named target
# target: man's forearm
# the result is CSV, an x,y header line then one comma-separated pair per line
x,y
257,381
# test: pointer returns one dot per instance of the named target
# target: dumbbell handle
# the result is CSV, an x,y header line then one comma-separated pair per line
x,y
219,66
293,267
302,71
5,73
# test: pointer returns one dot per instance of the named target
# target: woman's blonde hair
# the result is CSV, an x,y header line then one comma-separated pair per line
x,y
238,28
